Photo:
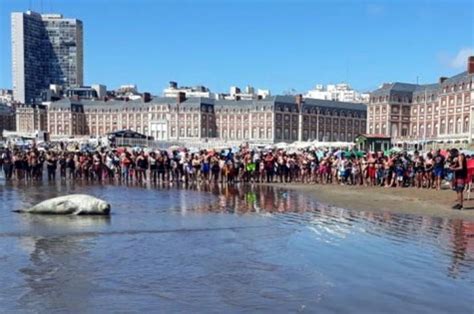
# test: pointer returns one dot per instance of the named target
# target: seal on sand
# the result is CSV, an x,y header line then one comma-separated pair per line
x,y
75,204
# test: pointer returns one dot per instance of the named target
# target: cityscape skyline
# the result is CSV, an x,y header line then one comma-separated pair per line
x,y
219,67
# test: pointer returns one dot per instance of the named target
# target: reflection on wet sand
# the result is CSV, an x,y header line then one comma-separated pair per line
x,y
52,256
455,236
462,248
233,247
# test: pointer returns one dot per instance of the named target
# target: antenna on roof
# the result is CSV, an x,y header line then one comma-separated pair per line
x,y
417,80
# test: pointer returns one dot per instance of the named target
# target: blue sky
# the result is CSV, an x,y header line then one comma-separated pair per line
x,y
280,45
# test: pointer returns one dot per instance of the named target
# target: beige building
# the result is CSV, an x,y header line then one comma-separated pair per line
x,y
31,118
66,119
417,114
269,120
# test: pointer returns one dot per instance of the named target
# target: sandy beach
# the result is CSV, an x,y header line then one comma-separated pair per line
x,y
404,200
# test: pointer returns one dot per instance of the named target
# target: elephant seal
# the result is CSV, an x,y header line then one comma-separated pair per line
x,y
75,204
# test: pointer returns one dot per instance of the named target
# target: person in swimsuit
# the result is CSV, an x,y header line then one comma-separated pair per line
x,y
438,169
419,168
371,170
459,167
429,163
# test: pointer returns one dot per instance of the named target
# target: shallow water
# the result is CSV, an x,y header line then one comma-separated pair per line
x,y
214,249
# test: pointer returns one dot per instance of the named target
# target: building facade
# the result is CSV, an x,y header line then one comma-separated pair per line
x,y
66,119
31,118
270,120
418,114
46,49
7,118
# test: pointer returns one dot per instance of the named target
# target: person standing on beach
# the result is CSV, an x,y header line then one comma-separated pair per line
x,y
459,167
51,164
438,169
7,164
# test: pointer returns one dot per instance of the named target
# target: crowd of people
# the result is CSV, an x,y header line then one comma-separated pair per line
x,y
398,169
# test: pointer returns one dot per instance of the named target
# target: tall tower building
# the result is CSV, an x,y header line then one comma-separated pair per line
x,y
46,49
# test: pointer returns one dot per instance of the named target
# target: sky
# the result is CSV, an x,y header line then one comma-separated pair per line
x,y
279,45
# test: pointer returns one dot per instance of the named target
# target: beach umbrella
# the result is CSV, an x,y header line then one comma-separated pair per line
x,y
174,147
193,150
281,145
210,152
467,152
347,153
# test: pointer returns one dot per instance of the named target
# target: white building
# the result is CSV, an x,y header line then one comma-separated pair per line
x,y
235,93
173,90
129,91
248,94
6,96
339,92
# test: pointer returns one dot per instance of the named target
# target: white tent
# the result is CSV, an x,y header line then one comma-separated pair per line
x,y
281,145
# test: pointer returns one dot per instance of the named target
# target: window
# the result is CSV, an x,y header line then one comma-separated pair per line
x,y
278,133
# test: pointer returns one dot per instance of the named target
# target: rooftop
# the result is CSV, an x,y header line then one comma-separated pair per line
x,y
198,101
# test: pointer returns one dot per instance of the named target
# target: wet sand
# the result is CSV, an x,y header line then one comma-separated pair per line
x,y
421,202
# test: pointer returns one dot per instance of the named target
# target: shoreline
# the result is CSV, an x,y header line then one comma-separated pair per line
x,y
422,202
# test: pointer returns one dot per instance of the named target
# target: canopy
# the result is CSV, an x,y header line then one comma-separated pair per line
x,y
128,134
281,145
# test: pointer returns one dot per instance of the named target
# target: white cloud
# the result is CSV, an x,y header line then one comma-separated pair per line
x,y
460,59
